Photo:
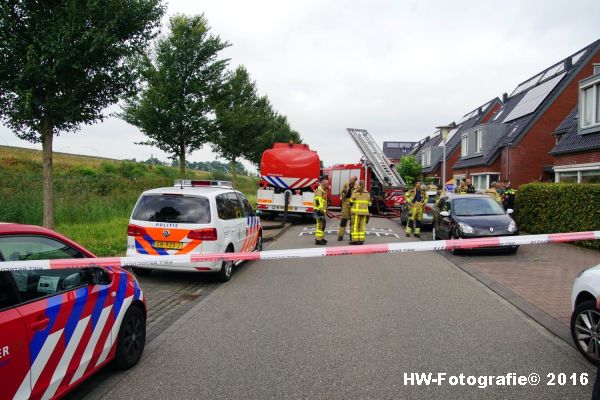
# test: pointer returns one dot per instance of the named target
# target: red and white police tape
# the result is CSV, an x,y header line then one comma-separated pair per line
x,y
405,247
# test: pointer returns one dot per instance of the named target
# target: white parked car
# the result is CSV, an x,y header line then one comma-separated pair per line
x,y
585,318
193,216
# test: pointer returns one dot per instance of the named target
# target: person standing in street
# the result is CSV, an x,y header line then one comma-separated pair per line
x,y
493,193
470,187
461,189
320,211
417,198
345,196
360,202
509,197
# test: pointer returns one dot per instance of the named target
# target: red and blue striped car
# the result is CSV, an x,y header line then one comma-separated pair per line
x,y
59,325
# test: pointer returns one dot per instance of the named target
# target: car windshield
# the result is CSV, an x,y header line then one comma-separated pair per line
x,y
469,207
173,208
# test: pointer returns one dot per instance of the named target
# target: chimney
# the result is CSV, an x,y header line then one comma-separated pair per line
x,y
568,64
504,97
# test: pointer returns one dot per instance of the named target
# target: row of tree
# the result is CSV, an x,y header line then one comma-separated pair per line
x,y
62,63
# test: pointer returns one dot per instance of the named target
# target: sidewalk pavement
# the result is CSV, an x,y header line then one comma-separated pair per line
x,y
538,275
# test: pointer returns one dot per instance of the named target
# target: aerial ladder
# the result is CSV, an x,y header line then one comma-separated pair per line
x,y
376,160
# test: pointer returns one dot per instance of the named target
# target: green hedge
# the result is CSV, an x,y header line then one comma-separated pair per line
x,y
559,207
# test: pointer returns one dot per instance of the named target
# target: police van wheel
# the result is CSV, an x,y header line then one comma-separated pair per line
x,y
131,338
141,271
224,274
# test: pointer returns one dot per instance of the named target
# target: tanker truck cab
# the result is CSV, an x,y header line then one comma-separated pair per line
x,y
289,174
193,216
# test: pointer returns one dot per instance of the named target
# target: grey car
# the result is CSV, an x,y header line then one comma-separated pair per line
x,y
427,219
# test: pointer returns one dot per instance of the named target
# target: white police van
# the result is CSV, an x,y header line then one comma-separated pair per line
x,y
193,216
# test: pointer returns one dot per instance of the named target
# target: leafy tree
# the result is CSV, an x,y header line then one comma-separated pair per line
x,y
241,118
278,130
409,169
63,62
180,78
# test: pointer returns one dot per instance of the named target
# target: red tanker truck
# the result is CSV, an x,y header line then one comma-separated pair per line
x,y
288,169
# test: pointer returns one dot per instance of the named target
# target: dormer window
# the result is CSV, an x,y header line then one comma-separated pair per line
x,y
478,141
589,104
426,157
464,146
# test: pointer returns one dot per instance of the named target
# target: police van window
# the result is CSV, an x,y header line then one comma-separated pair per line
x,y
236,205
223,209
248,210
173,208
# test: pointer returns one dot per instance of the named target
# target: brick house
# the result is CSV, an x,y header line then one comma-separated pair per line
x,y
516,143
431,153
577,150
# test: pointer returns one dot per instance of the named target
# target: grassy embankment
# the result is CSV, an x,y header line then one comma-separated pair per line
x,y
94,196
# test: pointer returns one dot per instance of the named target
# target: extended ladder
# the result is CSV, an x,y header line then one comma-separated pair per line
x,y
380,164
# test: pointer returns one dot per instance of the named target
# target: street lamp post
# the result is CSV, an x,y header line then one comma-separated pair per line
x,y
444,131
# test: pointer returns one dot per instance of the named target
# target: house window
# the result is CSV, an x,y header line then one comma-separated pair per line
x,y
478,141
590,176
480,182
589,98
464,146
426,158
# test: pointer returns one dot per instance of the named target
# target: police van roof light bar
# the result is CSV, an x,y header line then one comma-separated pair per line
x,y
202,183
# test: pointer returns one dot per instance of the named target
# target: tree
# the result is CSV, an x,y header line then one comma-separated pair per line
x,y
409,169
278,130
241,118
63,62
179,78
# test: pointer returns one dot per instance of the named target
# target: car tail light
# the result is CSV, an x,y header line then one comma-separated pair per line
x,y
428,209
203,234
309,209
134,230
262,206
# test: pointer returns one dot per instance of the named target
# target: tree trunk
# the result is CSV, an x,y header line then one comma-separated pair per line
x,y
234,172
47,137
182,161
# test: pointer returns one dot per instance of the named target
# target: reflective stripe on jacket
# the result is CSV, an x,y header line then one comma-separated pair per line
x,y
360,202
320,201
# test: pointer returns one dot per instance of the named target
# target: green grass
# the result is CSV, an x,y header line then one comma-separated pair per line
x,y
94,197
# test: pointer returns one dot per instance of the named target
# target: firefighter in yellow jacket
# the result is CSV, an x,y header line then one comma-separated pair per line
x,y
345,196
320,210
359,208
417,198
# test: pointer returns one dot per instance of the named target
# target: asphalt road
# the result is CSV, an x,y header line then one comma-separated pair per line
x,y
350,327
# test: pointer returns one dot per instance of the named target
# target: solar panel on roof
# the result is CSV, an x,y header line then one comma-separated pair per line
x,y
553,71
451,133
533,98
498,115
577,57
526,85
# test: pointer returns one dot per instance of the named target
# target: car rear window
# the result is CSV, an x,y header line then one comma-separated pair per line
x,y
431,199
470,207
173,208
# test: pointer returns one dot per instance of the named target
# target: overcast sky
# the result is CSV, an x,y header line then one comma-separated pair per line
x,y
395,68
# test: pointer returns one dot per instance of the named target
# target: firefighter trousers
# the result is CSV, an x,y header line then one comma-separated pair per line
x,y
345,217
414,219
358,228
320,228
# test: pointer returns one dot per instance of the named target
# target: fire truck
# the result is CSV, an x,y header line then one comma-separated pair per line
x,y
381,178
289,174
